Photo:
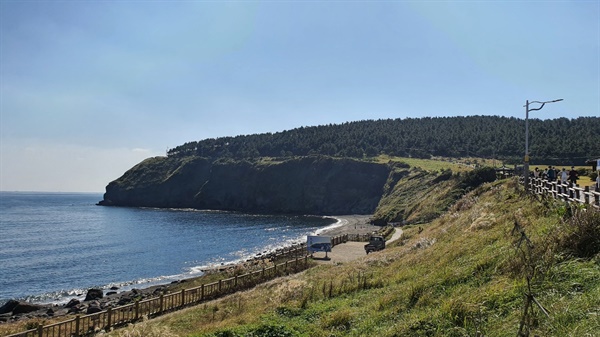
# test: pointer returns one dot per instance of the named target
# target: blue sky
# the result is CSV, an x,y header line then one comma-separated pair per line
x,y
90,88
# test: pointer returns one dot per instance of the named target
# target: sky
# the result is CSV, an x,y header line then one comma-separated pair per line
x,y
91,88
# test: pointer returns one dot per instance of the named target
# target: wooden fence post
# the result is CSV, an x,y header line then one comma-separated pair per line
x,y
586,195
40,330
76,325
220,286
161,301
202,292
108,318
235,282
182,297
137,310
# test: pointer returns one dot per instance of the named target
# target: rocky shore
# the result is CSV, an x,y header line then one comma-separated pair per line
x,y
97,300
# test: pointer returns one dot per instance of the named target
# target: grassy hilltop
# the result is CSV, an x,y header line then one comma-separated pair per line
x,y
464,272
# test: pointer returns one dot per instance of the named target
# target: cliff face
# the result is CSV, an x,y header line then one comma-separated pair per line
x,y
159,182
309,185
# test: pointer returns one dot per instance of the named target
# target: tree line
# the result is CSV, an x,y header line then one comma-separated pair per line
x,y
558,141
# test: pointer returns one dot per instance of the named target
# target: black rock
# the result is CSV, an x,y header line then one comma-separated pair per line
x,y
24,307
8,306
93,309
75,309
72,303
124,300
94,294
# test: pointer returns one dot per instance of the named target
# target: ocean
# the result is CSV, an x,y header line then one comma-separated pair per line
x,y
55,246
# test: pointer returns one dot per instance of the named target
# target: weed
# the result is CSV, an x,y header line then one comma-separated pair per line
x,y
414,296
271,331
142,329
580,233
33,325
340,320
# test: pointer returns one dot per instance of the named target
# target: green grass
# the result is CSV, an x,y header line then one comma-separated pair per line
x,y
456,165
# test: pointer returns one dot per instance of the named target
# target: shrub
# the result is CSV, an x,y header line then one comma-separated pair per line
x,y
472,179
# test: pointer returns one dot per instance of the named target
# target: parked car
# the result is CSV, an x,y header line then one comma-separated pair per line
x,y
376,242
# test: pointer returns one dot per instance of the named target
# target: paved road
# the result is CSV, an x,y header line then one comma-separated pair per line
x,y
349,251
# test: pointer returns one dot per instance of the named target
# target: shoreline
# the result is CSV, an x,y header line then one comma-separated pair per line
x,y
345,224
349,224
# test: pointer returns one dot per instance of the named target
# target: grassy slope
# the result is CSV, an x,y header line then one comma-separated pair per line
x,y
406,196
462,273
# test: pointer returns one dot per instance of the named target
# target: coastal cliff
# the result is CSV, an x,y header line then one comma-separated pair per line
x,y
307,185
316,185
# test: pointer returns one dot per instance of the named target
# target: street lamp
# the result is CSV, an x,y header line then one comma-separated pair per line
x,y
527,109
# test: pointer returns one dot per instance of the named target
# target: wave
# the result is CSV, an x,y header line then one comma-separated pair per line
x,y
339,223
61,297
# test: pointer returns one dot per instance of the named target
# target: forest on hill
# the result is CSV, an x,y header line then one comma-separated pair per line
x,y
556,141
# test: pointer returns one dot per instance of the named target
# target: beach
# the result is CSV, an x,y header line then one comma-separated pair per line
x,y
351,224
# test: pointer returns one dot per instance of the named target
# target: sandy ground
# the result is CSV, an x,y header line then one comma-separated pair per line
x,y
345,252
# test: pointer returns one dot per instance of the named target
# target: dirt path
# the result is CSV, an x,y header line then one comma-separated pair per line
x,y
349,251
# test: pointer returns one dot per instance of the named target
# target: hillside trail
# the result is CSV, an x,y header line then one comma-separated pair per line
x,y
349,251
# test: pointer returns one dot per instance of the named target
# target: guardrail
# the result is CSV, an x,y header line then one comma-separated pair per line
x,y
88,325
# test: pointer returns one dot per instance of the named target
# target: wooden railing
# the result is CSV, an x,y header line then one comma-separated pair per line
x,y
88,325
566,192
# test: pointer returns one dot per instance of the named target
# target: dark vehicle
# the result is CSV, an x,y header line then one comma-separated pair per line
x,y
376,243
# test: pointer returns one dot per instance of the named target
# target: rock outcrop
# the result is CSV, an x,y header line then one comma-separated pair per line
x,y
308,185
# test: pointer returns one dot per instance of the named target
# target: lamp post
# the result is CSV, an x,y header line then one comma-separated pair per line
x,y
527,109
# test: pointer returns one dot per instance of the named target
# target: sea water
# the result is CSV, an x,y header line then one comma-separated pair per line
x,y
55,246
